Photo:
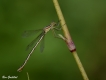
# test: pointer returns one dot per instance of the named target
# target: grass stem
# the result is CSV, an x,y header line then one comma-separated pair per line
x,y
68,39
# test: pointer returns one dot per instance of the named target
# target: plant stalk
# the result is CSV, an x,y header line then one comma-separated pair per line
x,y
68,39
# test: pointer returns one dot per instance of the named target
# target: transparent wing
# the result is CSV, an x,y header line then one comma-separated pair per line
x,y
42,45
34,41
30,32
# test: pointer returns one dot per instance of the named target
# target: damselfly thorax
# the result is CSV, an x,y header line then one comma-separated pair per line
x,y
49,27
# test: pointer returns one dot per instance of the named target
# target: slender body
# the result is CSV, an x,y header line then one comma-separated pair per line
x,y
41,36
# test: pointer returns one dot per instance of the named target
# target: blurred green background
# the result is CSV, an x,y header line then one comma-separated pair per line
x,y
86,21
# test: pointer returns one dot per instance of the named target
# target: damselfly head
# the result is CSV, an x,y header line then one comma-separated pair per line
x,y
53,23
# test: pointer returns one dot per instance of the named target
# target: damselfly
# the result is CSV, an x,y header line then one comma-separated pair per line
x,y
52,26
